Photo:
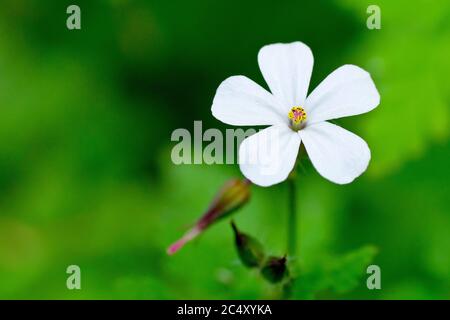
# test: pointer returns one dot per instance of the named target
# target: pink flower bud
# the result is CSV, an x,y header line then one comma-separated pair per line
x,y
233,195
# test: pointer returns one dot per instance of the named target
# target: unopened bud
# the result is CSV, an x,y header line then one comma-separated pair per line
x,y
233,195
274,269
249,249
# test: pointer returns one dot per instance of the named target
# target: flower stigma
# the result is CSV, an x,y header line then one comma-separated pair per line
x,y
297,115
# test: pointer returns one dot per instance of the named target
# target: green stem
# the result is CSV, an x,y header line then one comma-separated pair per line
x,y
292,217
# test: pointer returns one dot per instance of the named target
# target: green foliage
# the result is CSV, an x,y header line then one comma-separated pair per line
x,y
408,59
336,275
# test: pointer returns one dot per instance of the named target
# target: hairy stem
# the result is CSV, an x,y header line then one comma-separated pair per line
x,y
292,217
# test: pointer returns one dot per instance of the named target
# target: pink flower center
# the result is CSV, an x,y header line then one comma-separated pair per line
x,y
297,116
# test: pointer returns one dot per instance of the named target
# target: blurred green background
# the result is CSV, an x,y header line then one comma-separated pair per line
x,y
85,170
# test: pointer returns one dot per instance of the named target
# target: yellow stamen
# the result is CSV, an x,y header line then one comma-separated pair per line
x,y
297,115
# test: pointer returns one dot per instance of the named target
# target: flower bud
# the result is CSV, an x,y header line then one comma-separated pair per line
x,y
233,195
274,269
249,249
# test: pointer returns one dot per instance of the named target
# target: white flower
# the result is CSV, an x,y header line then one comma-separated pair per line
x,y
337,154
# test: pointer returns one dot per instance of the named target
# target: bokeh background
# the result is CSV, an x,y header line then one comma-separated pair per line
x,y
85,171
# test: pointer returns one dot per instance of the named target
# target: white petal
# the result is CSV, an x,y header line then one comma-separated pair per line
x,y
240,101
287,70
267,157
347,91
337,154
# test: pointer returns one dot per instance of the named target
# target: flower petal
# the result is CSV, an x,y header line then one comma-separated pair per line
x,y
337,154
287,70
267,157
240,101
347,91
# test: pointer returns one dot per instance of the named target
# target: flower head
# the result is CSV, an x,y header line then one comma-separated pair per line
x,y
337,154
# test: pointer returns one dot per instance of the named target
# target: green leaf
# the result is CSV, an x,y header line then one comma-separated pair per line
x,y
346,272
338,274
